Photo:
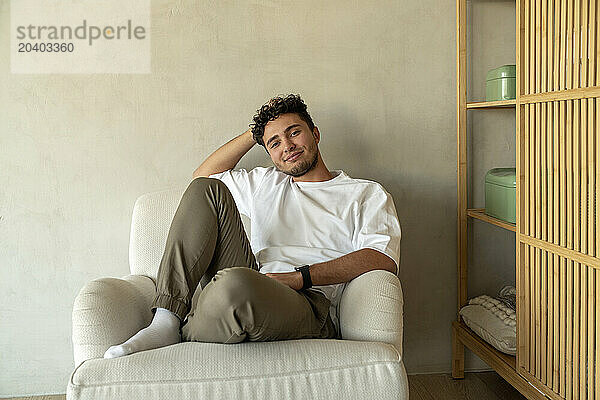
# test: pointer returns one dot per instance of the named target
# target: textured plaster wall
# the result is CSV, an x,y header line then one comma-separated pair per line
x,y
77,150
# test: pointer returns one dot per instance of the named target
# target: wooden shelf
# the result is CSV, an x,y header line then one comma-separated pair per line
x,y
480,214
503,364
477,345
492,104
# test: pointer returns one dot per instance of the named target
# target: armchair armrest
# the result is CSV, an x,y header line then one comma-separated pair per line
x,y
108,311
371,309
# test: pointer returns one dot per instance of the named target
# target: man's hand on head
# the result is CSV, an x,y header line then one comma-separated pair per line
x,y
291,279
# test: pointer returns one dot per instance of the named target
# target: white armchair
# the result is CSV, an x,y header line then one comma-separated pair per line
x,y
365,363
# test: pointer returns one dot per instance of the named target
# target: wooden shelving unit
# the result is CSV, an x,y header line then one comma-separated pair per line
x,y
557,233
503,364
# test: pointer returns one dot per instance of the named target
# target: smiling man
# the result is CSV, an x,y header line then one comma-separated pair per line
x,y
312,230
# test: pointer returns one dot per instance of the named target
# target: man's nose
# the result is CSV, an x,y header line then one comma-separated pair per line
x,y
289,145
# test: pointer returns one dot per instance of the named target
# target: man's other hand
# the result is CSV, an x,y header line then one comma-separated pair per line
x,y
292,279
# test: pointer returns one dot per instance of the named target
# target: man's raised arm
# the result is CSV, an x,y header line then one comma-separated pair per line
x,y
227,156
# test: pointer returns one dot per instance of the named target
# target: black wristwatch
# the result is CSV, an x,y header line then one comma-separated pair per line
x,y
306,281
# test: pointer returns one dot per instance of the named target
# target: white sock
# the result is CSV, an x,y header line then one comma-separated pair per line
x,y
162,331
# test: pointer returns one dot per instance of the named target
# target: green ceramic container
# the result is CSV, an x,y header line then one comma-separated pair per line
x,y
500,83
501,193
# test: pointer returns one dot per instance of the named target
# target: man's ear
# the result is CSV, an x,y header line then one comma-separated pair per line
x,y
316,135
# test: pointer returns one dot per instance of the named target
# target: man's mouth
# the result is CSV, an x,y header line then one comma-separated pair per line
x,y
294,156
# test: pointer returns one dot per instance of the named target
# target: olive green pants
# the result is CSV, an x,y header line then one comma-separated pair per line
x,y
209,277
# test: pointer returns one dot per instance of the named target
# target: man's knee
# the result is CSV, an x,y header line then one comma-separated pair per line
x,y
202,182
229,289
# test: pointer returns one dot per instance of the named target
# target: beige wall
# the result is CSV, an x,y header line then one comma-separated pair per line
x,y
77,150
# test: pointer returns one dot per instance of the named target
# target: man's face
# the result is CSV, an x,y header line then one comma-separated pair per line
x,y
291,144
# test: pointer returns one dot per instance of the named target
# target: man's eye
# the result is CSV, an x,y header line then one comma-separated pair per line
x,y
274,144
295,133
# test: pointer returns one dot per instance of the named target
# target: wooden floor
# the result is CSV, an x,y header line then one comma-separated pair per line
x,y
475,386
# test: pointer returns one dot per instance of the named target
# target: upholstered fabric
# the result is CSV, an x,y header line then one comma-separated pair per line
x,y
366,364
150,223
291,369
371,309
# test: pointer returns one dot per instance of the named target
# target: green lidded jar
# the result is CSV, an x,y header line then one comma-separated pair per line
x,y
501,193
501,83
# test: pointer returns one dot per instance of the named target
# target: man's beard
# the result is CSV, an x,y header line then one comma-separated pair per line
x,y
303,167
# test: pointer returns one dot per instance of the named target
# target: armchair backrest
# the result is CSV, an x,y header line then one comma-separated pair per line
x,y
150,223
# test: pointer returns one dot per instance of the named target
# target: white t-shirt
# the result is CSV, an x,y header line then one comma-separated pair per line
x,y
299,223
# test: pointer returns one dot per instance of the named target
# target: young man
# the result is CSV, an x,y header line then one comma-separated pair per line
x,y
312,230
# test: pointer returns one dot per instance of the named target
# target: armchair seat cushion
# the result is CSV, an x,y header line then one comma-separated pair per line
x,y
295,369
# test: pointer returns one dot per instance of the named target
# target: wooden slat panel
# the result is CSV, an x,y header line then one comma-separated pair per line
x,y
532,45
561,251
576,176
555,239
597,45
576,43
569,94
543,135
541,210
538,316
527,171
569,77
583,332
570,318
556,51
560,235
558,320
544,316
533,364
563,44
524,285
590,333
526,43
583,177
592,45
525,310
597,51
544,49
597,372
538,45
576,245
534,349
576,313
592,217
549,265
550,54
597,194
521,273
538,173
584,43
569,195
570,175
555,321
563,241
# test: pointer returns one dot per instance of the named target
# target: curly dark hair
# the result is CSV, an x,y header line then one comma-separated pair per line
x,y
292,103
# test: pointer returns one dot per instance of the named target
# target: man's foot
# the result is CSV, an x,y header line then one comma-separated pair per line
x,y
162,331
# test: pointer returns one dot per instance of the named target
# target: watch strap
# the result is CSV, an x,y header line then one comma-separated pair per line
x,y
306,281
